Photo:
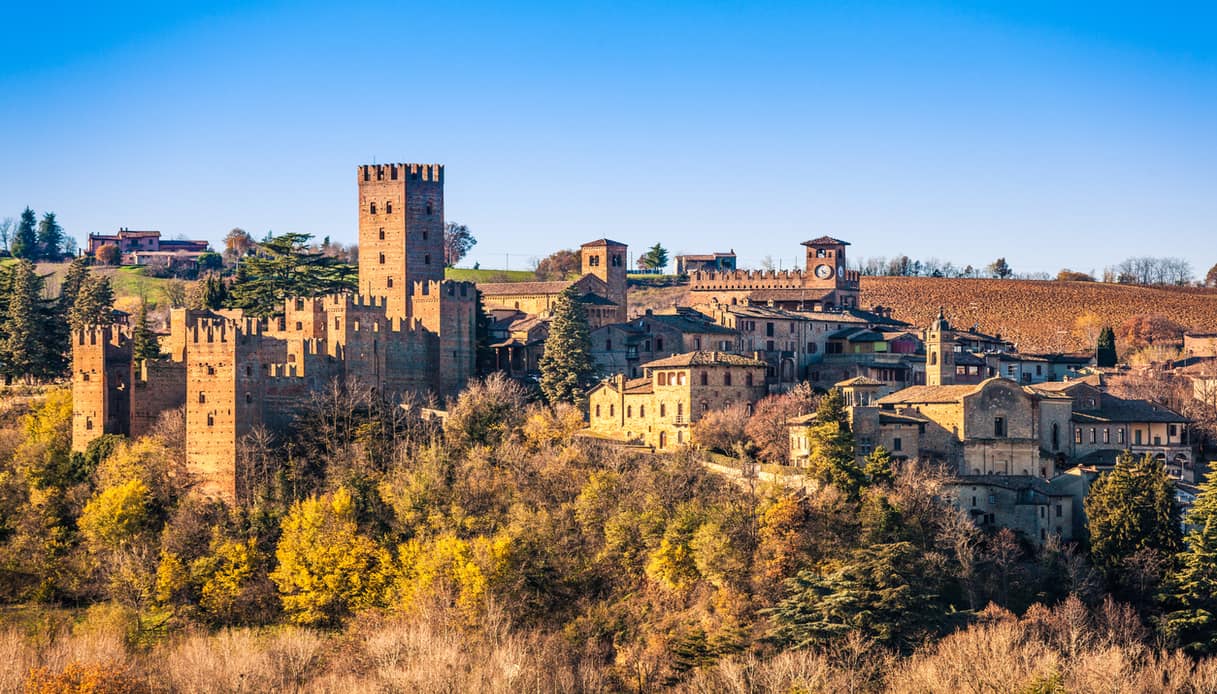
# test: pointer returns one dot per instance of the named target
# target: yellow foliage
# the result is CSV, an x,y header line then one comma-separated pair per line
x,y
552,427
235,563
327,569
79,678
116,515
172,578
448,564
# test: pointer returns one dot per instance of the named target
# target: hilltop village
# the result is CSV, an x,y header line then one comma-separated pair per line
x,y
1023,434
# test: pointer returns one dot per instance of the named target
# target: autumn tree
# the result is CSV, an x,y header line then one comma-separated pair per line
x,y
1147,329
285,267
238,244
108,254
457,242
566,364
767,427
559,265
722,430
327,569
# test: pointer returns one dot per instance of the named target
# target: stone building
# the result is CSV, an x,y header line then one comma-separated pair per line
x,y
147,248
1034,507
659,408
825,283
407,331
602,286
622,348
702,262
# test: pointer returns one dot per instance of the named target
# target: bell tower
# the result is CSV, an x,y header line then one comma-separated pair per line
x,y
606,260
940,353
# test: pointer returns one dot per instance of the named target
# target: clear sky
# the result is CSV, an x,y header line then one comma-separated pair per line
x,y
1052,133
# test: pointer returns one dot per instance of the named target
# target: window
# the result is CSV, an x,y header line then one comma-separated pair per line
x,y
1119,436
705,379
748,379
1077,435
249,397
211,420
1173,430
999,427
659,344
1056,436
430,208
616,260
792,328
424,234
705,406
769,345
299,325
663,410
382,234
1058,511
726,378
597,410
769,330
612,410
680,410
85,376
1106,435
389,282
642,410
1094,438
382,258
426,259
593,261
897,444
389,208
211,370
629,410
973,501
608,345
663,378
372,208
811,348
1137,437
88,424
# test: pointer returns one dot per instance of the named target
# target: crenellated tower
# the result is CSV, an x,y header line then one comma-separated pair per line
x,y
102,383
401,231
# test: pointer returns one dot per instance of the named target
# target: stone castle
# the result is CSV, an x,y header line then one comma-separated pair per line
x,y
825,284
407,331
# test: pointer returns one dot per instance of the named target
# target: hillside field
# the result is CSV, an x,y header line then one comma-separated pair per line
x,y
1037,315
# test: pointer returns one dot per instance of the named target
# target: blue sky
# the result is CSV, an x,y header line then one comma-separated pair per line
x,y
1054,134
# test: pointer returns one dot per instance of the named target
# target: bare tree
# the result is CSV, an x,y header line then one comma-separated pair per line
x,y
6,228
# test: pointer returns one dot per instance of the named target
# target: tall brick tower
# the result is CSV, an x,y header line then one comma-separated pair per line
x,y
607,260
401,231
826,270
940,353
101,384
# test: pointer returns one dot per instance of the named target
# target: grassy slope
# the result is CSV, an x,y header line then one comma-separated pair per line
x,y
471,275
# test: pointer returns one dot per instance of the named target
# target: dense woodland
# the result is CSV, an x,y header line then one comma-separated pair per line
x,y
375,549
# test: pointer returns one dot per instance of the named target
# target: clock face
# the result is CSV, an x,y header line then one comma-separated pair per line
x,y
823,271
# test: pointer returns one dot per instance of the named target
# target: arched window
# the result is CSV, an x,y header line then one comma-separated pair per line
x,y
663,410
597,410
430,208
1056,436
389,207
382,258
202,397
663,439
933,358
389,282
372,208
612,410
629,411
382,233
642,410
663,378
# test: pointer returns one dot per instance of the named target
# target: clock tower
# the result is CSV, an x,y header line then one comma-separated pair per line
x,y
826,270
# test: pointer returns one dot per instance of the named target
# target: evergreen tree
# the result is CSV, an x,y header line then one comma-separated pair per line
x,y
214,292
145,343
23,349
656,258
73,280
1105,349
25,240
887,592
50,237
879,466
1190,595
566,365
832,446
94,303
285,267
1131,508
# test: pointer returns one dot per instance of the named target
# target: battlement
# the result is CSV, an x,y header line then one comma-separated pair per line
x,y
351,300
450,288
109,336
432,173
748,279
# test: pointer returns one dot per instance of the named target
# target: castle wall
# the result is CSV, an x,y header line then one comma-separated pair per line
x,y
101,384
160,385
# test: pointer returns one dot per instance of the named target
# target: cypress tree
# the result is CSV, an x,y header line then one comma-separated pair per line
x,y
144,343
50,237
566,365
1105,349
25,241
1190,595
286,267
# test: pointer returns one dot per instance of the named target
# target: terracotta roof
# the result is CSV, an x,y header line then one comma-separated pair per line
x,y
953,393
858,381
825,241
686,324
802,420
638,385
1113,409
705,359
602,242
788,294
510,288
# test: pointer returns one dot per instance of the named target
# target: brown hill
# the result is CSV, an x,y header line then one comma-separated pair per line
x,y
1039,316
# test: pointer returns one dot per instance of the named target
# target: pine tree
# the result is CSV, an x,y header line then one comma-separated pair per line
x,y
1131,508
1190,593
23,351
566,365
25,241
50,237
284,268
832,446
94,303
1105,348
145,343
